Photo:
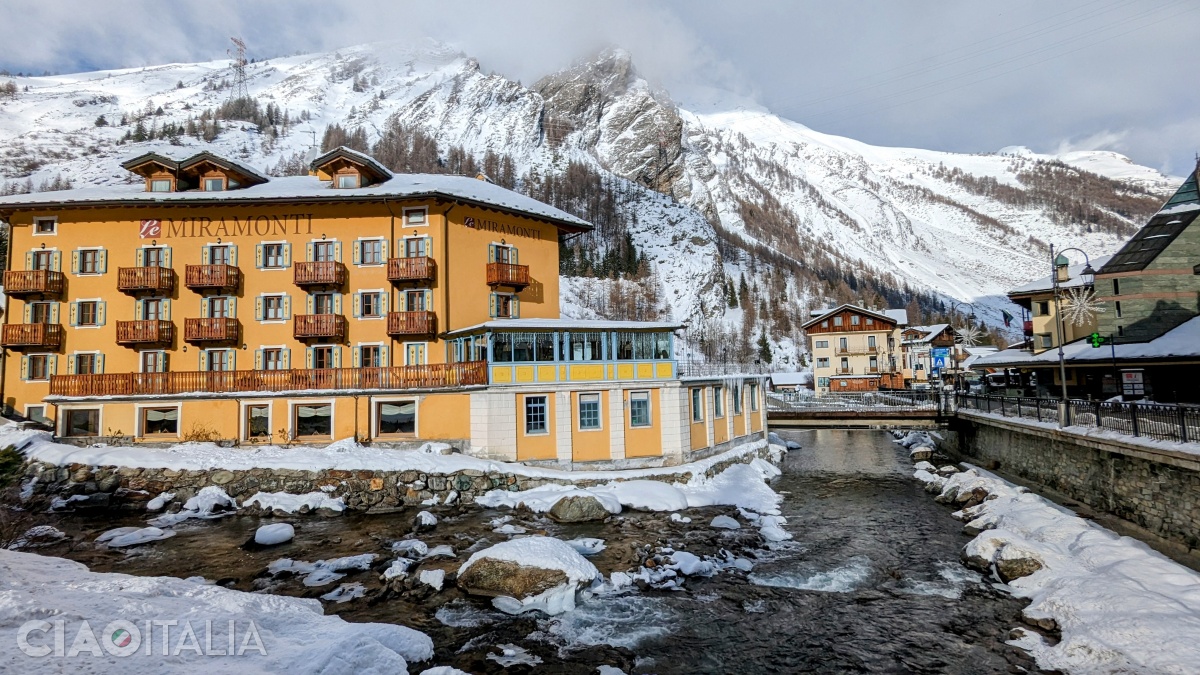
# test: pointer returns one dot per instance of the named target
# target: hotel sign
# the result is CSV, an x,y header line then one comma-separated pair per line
x,y
250,226
502,228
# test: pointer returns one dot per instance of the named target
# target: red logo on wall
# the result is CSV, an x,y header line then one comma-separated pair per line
x,y
469,221
150,228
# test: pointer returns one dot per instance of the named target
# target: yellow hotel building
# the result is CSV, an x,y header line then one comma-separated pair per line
x,y
210,302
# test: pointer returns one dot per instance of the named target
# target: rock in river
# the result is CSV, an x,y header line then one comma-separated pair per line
x,y
578,509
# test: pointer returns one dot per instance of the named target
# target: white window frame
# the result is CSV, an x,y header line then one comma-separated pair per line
x,y
382,246
263,349
79,326
223,179
150,184
599,412
384,302
511,297
292,417
138,422
424,351
423,210
142,363
359,347
38,220
264,297
243,423
375,401
649,409
94,353
697,408
337,180
64,414
267,268
43,406
80,250
525,415
48,356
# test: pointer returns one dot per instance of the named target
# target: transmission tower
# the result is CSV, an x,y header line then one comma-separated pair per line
x,y
239,69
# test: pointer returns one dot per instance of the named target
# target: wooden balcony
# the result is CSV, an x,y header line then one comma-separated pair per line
x,y
504,274
326,273
29,282
431,376
411,323
411,269
148,279
210,330
212,277
144,332
39,335
858,350
327,326
843,371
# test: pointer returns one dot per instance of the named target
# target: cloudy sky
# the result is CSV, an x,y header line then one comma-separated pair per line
x,y
963,76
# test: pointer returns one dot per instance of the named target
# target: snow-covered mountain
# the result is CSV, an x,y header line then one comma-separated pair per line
x,y
717,189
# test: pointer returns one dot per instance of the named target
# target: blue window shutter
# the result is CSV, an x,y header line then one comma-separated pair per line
x,y
357,305
337,303
56,261
384,246
512,255
100,363
337,251
138,311
516,307
166,256
102,261
101,312
74,262
492,305
233,255
203,308
258,308
308,251
52,364
206,255
287,255
200,358
491,253
24,367
166,309
54,312
232,307
232,365
427,247
356,254
71,364
74,314
287,307
29,260
140,257
308,357
383,357
308,304
258,256
287,358
337,357
357,357
428,300
258,359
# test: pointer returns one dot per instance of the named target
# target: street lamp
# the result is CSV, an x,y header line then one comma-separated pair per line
x,y
955,347
1061,267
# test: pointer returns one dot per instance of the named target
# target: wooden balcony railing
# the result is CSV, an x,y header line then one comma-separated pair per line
x,y
842,351
332,326
212,277
325,273
504,274
24,282
411,269
431,376
210,330
411,323
843,371
43,335
144,332
153,279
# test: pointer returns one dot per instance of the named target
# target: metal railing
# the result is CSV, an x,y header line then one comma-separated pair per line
x,y
899,400
709,369
1161,421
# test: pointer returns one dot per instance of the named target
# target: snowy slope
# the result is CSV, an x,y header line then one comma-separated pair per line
x,y
879,211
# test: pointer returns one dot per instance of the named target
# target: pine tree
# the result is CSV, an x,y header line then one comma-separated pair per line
x,y
764,348
101,122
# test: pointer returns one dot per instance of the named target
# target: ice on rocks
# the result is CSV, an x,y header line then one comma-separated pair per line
x,y
398,569
345,593
290,503
725,523
433,578
587,545
411,548
209,502
133,536
160,501
322,572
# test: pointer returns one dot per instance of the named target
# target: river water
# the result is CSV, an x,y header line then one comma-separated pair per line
x,y
871,581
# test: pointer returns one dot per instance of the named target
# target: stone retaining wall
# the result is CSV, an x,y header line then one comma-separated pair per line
x,y
370,491
1158,490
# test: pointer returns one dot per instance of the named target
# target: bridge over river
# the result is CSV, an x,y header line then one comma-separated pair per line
x,y
866,410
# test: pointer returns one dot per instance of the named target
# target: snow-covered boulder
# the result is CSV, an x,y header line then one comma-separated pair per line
x,y
274,534
725,523
920,453
578,508
649,495
925,466
1014,561
531,573
37,537
133,536
424,522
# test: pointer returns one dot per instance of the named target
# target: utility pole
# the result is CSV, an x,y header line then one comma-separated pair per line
x,y
238,90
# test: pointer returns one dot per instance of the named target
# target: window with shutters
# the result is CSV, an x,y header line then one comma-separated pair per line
x,y
504,254
272,358
45,226
217,360
39,312
42,260
272,308
323,251
160,421
152,309
395,417
370,356
39,367
219,255
589,412
89,261
85,364
274,256
415,247
415,217
87,313
505,304
370,252
154,362
414,301
154,256
218,307
536,415
322,357
258,421
322,303
371,304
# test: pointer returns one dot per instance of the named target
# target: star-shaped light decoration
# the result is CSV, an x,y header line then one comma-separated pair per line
x,y
967,336
1082,306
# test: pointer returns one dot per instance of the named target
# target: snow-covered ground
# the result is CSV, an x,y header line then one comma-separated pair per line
x,y
57,617
1121,607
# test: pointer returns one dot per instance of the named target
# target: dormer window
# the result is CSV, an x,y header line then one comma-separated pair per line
x,y
160,185
347,180
214,184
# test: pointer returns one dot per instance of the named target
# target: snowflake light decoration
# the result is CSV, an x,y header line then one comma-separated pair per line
x,y
967,336
1082,306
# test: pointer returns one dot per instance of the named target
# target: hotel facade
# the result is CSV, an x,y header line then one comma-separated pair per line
x,y
210,302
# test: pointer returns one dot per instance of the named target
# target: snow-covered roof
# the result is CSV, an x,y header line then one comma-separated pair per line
x,y
976,353
791,379
354,156
1046,283
927,332
564,324
310,188
897,316
1181,342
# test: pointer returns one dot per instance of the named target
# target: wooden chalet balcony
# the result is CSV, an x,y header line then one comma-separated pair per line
x,y
329,326
411,269
152,279
324,273
144,332
40,335
504,274
431,376
210,330
411,323
858,350
28,282
843,371
212,277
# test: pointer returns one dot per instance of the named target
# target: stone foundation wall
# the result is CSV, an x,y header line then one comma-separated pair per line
x,y
369,491
1158,490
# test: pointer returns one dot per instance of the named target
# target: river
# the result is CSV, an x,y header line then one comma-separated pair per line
x,y
871,581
